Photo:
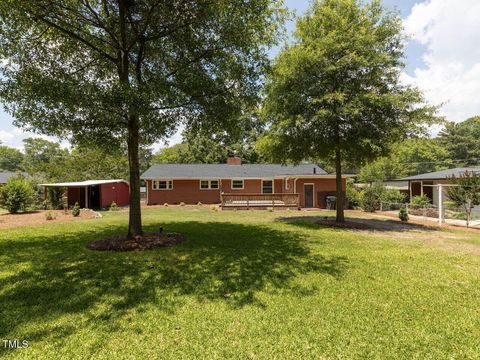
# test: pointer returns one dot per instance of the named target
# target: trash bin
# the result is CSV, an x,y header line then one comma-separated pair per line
x,y
331,202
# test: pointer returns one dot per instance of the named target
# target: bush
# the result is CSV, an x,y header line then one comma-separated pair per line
x,y
393,196
113,206
371,198
421,201
182,204
403,214
50,215
16,195
55,197
353,196
166,204
199,203
76,210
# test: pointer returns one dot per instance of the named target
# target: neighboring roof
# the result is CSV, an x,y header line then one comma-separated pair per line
x,y
443,174
83,183
226,171
396,184
5,175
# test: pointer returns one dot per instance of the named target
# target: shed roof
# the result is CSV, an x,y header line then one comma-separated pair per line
x,y
443,174
5,175
226,171
82,183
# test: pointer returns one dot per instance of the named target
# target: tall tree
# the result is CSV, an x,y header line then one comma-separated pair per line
x,y
409,157
10,159
44,157
335,93
462,141
112,72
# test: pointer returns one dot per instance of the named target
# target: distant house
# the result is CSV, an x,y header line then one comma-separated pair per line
x,y
235,184
5,175
426,184
94,194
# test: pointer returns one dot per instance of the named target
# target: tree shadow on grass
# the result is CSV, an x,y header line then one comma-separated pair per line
x,y
56,276
356,224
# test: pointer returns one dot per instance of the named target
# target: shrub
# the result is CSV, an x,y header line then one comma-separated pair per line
x,y
166,204
182,204
50,215
421,201
113,206
55,198
403,214
199,203
353,196
16,195
76,210
371,198
214,207
393,196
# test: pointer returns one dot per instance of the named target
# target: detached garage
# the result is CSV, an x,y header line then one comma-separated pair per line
x,y
95,194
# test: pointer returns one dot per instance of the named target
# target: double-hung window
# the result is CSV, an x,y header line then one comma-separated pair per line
x,y
162,184
237,184
209,184
267,186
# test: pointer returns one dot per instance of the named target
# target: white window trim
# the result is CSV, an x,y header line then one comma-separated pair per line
x,y
273,186
237,188
209,184
158,185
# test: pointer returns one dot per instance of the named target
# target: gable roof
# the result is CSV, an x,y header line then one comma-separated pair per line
x,y
443,174
5,175
226,171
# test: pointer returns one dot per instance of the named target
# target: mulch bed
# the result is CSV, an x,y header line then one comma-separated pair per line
x,y
148,241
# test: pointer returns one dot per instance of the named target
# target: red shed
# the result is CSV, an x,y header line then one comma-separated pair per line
x,y
95,194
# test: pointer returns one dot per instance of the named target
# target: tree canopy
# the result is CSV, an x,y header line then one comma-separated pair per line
x,y
335,92
127,73
10,159
462,141
409,157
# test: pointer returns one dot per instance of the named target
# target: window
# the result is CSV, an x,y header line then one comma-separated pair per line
x,y
209,184
162,184
237,184
267,187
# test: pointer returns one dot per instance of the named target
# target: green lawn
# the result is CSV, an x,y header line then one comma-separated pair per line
x,y
244,285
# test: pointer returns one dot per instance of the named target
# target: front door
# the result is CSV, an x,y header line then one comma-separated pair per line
x,y
308,195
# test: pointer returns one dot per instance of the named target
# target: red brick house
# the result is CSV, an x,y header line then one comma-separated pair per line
x,y
95,194
239,185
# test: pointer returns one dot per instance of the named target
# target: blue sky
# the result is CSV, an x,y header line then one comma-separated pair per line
x,y
442,57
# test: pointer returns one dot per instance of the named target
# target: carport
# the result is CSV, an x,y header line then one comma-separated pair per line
x,y
94,194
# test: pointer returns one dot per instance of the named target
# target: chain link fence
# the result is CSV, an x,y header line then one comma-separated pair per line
x,y
450,214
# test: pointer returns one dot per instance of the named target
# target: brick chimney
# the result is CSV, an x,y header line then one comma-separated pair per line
x,y
234,160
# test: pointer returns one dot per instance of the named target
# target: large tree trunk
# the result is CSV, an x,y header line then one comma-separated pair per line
x,y
135,216
339,184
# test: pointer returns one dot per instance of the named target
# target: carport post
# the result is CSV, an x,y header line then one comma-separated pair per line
x,y
440,204
86,197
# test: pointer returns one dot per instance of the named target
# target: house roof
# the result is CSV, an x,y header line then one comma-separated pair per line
x,y
226,171
443,174
5,175
82,183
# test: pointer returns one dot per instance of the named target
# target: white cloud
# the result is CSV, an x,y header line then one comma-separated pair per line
x,y
450,31
6,137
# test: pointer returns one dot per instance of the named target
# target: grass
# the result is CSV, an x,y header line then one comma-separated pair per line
x,y
244,285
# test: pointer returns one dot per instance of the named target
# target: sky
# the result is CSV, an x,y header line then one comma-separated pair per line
x,y
442,58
